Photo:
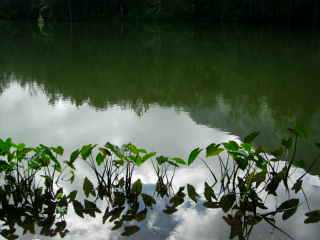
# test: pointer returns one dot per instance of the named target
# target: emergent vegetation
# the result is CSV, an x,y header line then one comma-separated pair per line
x,y
31,191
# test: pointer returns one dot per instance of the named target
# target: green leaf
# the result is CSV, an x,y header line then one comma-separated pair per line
x,y
274,184
100,159
117,225
178,160
88,187
297,186
291,203
58,150
5,146
74,155
72,196
193,155
259,178
146,157
251,137
59,195
192,193
148,200
34,164
116,213
242,162
289,213
312,217
227,201
78,208
105,151
116,151
132,148
178,198
130,230
318,145
173,163
231,146
161,160
208,192
170,210
213,150
288,208
137,187
91,208
4,166
86,151
57,167
72,178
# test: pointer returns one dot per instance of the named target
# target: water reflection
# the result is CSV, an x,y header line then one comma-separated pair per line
x,y
235,78
167,88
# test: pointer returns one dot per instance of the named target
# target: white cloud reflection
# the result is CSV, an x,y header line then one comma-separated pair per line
x,y
32,120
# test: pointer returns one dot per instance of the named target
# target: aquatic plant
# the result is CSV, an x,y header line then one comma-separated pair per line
x,y
242,177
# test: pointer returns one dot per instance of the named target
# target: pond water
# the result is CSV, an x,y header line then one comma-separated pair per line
x,y
167,88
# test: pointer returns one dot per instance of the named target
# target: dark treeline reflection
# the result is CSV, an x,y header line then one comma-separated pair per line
x,y
218,10
236,78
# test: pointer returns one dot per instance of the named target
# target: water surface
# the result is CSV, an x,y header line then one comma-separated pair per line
x,y
168,88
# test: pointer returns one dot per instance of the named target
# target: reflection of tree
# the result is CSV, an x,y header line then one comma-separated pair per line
x,y
257,74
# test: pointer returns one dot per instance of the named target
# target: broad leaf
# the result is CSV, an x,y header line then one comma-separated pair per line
x,y
312,217
91,208
86,151
297,186
58,150
192,193
78,208
288,208
148,200
146,157
72,196
170,210
231,146
100,158
193,155
88,187
74,155
208,192
227,201
161,160
213,150
179,161
137,187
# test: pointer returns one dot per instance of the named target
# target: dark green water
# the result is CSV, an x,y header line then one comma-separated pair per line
x,y
168,88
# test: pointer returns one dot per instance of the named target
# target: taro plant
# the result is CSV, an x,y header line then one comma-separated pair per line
x,y
113,168
247,175
243,178
28,195
164,168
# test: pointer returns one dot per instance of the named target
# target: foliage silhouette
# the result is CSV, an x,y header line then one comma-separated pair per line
x,y
32,193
